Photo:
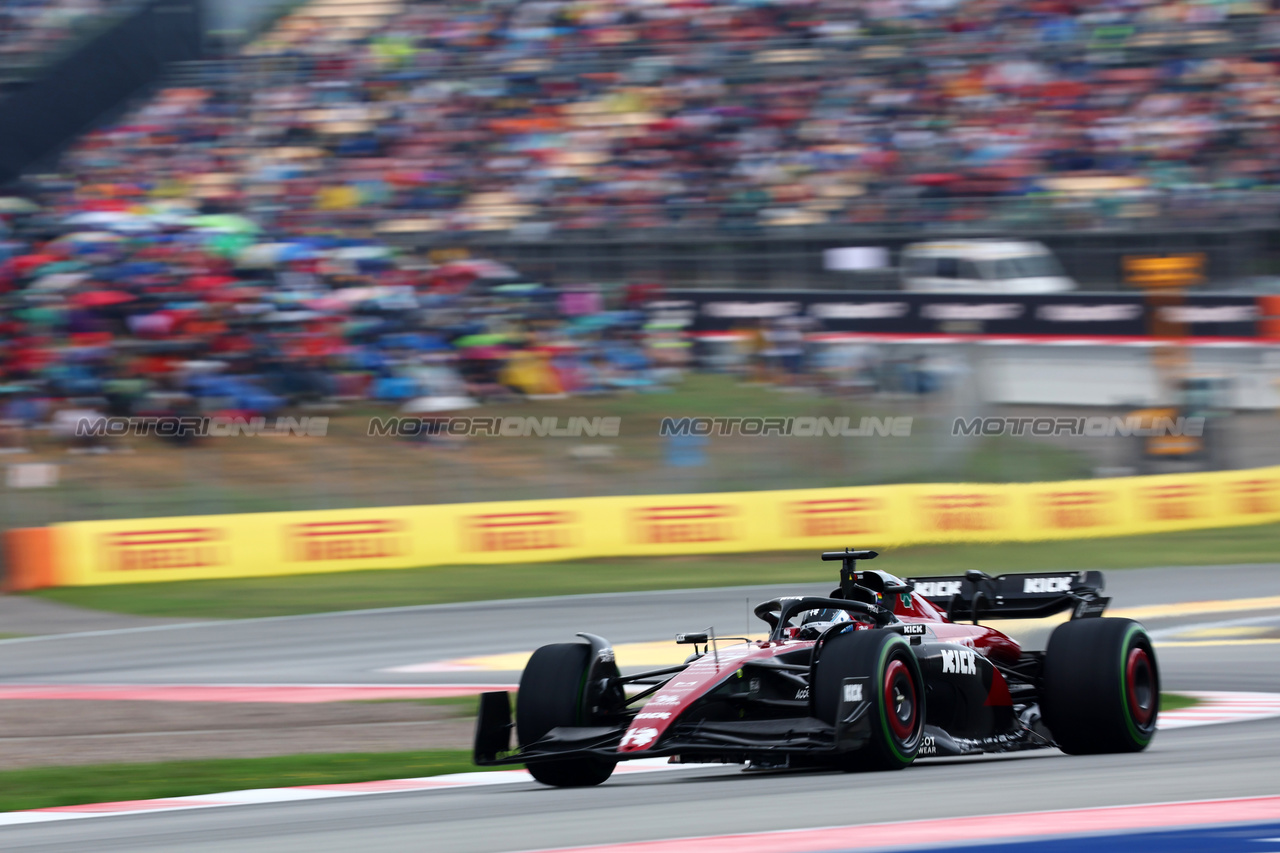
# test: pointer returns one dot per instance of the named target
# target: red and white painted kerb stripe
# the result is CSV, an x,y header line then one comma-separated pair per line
x,y
1214,707
1222,708
954,831
271,693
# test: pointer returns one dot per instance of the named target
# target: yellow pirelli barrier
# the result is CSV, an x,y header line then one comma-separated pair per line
x,y
228,546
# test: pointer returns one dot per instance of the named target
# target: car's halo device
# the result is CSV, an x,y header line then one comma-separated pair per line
x,y
875,675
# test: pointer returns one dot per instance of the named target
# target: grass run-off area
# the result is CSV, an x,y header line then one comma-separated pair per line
x,y
1176,701
291,594
458,706
49,787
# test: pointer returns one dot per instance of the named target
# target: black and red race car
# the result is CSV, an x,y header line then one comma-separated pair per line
x,y
880,673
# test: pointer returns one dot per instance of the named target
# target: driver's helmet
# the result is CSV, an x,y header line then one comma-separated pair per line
x,y
817,622
830,616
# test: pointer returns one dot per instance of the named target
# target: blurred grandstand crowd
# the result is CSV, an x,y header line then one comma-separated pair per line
x,y
608,114
174,326
234,227
31,29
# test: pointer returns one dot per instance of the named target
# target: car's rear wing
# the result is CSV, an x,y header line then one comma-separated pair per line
x,y
976,595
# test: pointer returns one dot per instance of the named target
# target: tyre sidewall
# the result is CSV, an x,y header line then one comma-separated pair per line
x,y
551,690
1085,696
553,693
869,653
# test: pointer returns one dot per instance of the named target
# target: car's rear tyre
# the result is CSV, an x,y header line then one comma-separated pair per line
x,y
553,693
897,695
1100,687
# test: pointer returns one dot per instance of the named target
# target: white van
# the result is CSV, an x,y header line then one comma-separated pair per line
x,y
982,266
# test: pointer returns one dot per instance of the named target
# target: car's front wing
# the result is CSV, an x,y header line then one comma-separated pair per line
x,y
769,741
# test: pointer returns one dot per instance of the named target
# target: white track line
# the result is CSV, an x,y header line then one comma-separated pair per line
x,y
250,693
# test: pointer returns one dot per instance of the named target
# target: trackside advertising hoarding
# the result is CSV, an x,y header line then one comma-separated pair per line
x,y
1119,315
227,546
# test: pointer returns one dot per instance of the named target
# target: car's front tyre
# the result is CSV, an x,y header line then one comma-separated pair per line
x,y
553,692
897,695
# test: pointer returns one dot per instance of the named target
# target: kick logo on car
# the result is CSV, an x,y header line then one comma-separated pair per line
x,y
960,661
938,589
1043,585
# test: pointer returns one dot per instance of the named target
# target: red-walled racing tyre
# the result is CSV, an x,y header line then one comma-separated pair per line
x,y
1100,687
897,695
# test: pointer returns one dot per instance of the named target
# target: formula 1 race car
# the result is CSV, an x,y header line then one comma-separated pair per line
x,y
878,674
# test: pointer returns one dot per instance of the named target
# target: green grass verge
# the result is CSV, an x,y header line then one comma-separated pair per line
x,y
1176,701
291,594
459,706
46,787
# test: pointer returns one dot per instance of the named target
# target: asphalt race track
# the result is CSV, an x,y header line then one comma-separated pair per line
x,y
359,646
1229,649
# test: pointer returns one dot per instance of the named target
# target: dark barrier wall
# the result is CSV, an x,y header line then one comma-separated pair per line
x,y
901,313
793,258
39,120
